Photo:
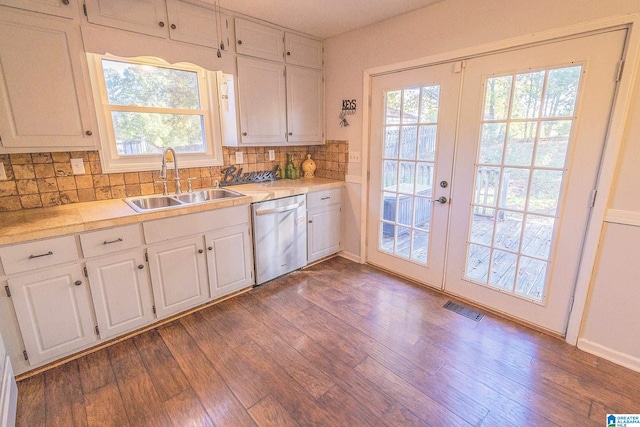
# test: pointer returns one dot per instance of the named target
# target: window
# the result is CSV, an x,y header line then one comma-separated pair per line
x,y
145,105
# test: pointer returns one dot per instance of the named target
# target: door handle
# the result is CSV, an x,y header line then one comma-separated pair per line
x,y
440,199
279,210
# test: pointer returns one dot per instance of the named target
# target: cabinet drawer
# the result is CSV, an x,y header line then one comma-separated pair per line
x,y
112,240
322,198
38,254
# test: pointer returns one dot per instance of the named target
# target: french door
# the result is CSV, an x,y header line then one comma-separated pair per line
x,y
531,124
415,116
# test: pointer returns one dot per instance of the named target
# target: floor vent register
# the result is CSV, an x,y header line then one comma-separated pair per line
x,y
464,311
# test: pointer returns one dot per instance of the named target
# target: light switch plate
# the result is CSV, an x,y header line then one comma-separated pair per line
x,y
272,155
3,173
77,166
354,156
239,157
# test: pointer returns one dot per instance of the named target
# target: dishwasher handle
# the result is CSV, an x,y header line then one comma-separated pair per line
x,y
280,209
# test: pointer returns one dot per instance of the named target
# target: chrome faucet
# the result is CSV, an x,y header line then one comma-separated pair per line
x,y
163,168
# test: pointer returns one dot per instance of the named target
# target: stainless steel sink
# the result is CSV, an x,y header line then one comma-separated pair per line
x,y
155,202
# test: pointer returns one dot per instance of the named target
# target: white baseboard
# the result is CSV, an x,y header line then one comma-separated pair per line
x,y
350,257
614,356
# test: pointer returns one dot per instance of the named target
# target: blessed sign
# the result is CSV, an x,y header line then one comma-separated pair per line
x,y
231,175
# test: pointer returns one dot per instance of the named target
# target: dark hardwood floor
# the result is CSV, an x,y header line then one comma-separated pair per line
x,y
338,344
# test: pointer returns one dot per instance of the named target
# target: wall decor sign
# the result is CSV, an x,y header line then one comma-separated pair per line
x,y
231,175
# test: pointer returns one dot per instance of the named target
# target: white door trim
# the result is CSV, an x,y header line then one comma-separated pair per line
x,y
613,142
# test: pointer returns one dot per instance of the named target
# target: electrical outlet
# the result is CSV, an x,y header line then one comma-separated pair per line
x,y
272,155
3,173
77,167
354,156
239,157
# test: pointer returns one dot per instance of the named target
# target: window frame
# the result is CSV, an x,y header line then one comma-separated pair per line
x,y
112,162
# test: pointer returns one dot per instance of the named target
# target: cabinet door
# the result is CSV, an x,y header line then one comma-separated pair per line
x,y
53,308
8,395
229,260
140,16
302,51
193,24
63,8
121,292
323,232
43,89
178,275
261,93
257,40
304,105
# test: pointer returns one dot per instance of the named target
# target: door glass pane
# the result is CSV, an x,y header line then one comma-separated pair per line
x,y
391,136
408,166
492,143
553,143
392,107
527,95
562,91
523,169
496,98
408,142
520,142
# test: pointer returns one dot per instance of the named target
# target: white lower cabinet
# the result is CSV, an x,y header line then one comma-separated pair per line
x,y
178,275
54,312
8,390
324,219
121,292
229,259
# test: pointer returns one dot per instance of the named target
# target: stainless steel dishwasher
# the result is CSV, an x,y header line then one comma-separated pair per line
x,y
280,233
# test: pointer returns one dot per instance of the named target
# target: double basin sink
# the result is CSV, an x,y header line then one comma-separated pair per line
x,y
155,202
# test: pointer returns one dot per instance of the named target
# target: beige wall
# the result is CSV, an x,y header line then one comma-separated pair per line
x,y
458,24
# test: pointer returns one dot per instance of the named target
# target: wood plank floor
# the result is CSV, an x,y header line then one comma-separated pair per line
x,y
338,344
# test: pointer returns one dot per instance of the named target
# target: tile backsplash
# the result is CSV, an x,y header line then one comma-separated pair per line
x,y
46,179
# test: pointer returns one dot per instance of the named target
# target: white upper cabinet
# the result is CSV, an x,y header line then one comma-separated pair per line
x,y
302,51
43,90
304,105
63,8
140,16
259,41
262,99
175,19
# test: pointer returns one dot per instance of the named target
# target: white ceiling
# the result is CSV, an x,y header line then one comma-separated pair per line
x,y
322,18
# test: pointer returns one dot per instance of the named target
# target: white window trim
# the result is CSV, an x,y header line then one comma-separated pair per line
x,y
112,162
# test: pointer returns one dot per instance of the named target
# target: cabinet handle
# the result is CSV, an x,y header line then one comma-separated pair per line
x,y
88,133
78,282
325,198
310,221
173,26
140,267
244,134
239,41
119,239
161,24
290,133
41,255
288,53
200,251
210,248
65,2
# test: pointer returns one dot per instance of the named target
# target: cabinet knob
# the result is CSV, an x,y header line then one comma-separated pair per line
x,y
140,267
65,2
239,41
200,251
173,26
88,133
161,24
244,134
210,248
78,282
288,53
290,133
